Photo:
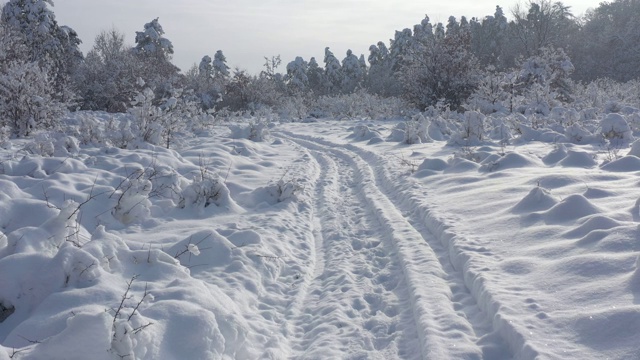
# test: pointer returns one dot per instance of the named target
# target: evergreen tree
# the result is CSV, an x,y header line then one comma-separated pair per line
x,y
296,78
220,68
205,69
154,51
352,72
333,72
315,74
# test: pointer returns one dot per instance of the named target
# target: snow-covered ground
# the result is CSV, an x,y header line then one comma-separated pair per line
x,y
326,240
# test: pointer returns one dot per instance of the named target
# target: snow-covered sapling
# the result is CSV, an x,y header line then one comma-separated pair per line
x,y
125,323
192,248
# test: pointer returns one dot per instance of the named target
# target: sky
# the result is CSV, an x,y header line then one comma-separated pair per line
x,y
249,30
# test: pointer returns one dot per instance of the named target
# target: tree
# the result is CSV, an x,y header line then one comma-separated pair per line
x,y
441,68
332,72
53,47
107,78
315,74
26,99
220,68
489,40
543,24
296,78
550,70
205,69
154,51
608,43
352,72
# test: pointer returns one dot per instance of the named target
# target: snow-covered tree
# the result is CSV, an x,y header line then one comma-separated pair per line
x,y
205,68
219,64
26,99
489,38
441,68
296,78
151,42
315,74
155,51
381,78
332,72
352,72
608,43
54,47
544,23
453,27
107,78
550,70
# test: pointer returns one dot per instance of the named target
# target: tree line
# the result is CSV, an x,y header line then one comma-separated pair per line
x,y
488,61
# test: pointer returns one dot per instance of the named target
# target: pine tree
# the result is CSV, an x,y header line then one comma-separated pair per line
x,y
315,74
154,51
333,72
296,78
352,72
220,68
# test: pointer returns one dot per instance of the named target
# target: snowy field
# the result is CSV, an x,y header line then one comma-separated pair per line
x,y
486,238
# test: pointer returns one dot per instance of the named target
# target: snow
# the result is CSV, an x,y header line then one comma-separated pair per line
x,y
480,238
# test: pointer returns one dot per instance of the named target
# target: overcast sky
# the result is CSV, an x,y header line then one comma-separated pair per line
x,y
248,30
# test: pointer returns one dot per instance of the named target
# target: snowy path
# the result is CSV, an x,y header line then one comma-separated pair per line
x,y
440,304
356,304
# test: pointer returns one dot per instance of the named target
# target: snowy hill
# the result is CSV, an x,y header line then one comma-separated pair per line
x,y
445,237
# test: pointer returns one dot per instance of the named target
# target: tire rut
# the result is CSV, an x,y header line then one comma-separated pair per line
x,y
354,305
437,290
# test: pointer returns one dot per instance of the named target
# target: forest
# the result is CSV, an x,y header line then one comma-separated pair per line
x,y
537,57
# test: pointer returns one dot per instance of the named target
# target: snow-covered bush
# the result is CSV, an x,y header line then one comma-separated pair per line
x,y
160,124
132,197
416,130
471,130
360,105
294,107
550,68
500,130
363,132
614,127
53,144
205,189
147,117
285,189
26,99
257,130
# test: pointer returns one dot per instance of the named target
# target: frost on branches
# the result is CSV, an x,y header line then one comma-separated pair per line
x,y
26,99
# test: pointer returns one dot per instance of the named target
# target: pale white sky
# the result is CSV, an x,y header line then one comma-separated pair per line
x,y
248,30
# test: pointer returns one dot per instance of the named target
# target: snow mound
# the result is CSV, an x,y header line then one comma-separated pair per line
x,y
635,149
556,155
459,165
433,164
580,159
570,209
594,223
509,161
363,132
624,164
537,199
594,193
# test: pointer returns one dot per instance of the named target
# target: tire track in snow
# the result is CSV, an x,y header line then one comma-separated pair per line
x,y
433,286
355,305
